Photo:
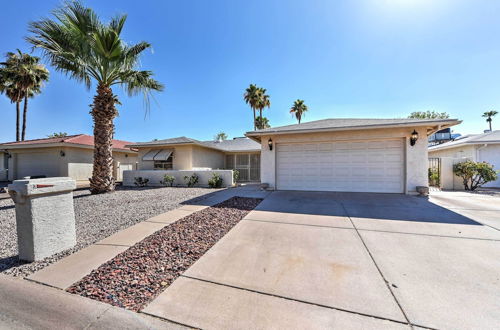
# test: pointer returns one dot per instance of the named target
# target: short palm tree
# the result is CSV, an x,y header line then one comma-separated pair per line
x,y
298,109
262,122
489,115
78,44
251,98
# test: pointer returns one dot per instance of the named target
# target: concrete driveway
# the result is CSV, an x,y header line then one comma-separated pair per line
x,y
348,260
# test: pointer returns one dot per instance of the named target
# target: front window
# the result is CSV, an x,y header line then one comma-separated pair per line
x,y
163,164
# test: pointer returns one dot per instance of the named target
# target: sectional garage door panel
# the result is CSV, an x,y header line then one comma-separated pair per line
x,y
46,163
359,166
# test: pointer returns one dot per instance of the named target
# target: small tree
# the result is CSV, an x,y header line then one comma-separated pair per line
x,y
474,174
429,115
221,136
58,135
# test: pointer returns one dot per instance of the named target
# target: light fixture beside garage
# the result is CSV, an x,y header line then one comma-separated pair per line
x,y
270,144
62,153
413,138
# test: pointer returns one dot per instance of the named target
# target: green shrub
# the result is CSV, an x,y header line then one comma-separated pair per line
x,y
141,182
236,175
192,180
434,178
474,174
215,181
168,180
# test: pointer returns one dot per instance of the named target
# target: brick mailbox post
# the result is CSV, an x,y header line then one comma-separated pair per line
x,y
45,216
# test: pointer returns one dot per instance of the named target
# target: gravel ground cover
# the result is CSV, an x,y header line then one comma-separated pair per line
x,y
136,276
97,217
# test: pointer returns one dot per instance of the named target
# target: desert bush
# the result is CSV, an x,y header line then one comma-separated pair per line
x,y
215,181
192,180
141,182
475,174
168,180
236,175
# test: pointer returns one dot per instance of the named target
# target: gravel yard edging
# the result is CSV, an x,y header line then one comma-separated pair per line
x,y
97,217
136,276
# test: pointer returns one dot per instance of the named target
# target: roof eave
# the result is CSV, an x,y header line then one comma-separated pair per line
x,y
434,125
56,145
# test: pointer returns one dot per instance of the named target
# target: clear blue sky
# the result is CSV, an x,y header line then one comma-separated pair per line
x,y
345,58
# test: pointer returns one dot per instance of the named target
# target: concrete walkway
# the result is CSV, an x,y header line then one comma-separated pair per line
x,y
348,261
26,305
71,269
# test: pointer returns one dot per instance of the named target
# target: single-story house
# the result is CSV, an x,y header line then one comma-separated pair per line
x,y
187,154
351,155
63,156
477,147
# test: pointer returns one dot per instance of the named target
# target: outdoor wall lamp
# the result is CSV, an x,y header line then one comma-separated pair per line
x,y
270,144
62,153
413,138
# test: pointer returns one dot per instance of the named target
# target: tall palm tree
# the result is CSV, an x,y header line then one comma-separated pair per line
x,y
78,44
489,115
264,101
28,75
251,98
298,109
10,87
32,76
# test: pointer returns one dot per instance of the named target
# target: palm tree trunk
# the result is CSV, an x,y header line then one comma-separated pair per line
x,y
18,112
490,120
254,126
25,112
103,113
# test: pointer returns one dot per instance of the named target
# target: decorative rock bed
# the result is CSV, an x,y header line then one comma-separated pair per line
x,y
97,217
138,275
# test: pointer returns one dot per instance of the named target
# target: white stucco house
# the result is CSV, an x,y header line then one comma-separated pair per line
x,y
477,147
65,156
183,156
349,155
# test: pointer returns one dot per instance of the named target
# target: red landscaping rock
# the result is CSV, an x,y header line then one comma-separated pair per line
x,y
135,277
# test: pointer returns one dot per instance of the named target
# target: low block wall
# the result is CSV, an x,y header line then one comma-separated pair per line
x,y
155,176
449,181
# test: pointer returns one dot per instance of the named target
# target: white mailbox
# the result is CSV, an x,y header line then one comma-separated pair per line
x,y
45,216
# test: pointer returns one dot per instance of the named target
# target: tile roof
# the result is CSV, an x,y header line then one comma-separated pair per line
x,y
489,137
347,123
234,145
82,139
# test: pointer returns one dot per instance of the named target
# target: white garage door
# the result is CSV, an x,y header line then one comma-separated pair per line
x,y
359,166
44,163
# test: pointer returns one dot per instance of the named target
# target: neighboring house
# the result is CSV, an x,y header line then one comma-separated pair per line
x,y
66,156
477,147
358,155
188,154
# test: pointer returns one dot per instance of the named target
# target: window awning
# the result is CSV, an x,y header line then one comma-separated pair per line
x,y
151,154
164,154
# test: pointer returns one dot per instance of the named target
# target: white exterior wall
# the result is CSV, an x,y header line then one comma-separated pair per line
x,y
207,158
416,156
466,151
491,154
76,163
155,176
